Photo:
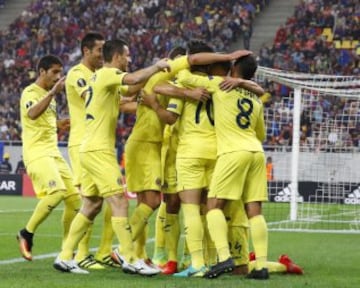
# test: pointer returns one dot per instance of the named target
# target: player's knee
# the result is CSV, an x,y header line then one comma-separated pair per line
x,y
91,207
173,205
152,199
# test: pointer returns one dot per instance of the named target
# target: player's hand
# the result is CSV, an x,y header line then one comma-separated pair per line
x,y
59,86
163,65
63,124
230,83
239,53
198,94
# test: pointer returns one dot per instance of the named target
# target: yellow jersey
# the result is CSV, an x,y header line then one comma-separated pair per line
x,y
196,132
148,127
238,114
102,109
76,83
39,136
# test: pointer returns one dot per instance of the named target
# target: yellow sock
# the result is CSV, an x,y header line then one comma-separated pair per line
x,y
107,235
172,232
276,267
210,254
219,233
140,244
71,208
139,219
43,209
78,228
159,246
122,230
259,238
83,248
194,234
273,267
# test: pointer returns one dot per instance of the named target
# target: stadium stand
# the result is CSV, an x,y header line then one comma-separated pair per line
x,y
150,26
322,38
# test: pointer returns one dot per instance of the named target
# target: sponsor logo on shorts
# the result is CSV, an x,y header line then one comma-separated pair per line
x,y
158,181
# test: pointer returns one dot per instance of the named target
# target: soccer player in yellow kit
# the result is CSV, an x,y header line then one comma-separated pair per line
x,y
240,169
193,127
49,172
143,149
101,178
76,85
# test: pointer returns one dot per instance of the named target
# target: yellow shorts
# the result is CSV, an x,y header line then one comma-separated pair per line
x,y
194,173
101,174
240,175
51,174
143,166
239,244
74,158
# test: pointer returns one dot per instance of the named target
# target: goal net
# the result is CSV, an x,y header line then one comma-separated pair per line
x,y
313,141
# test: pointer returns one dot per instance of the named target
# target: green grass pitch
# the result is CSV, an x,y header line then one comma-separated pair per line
x,y
329,260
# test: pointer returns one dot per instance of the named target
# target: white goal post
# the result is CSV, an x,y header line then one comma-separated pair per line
x,y
313,140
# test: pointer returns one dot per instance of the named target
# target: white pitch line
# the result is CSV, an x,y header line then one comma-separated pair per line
x,y
49,255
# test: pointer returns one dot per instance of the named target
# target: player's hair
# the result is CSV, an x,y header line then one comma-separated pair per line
x,y
197,46
89,41
176,51
47,61
111,47
246,66
224,66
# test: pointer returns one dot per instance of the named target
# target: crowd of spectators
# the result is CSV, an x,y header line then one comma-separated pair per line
x,y
301,45
152,27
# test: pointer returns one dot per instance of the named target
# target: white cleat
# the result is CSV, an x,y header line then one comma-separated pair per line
x,y
68,266
144,269
126,266
139,266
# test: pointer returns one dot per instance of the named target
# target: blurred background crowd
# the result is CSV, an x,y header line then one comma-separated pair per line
x,y
322,36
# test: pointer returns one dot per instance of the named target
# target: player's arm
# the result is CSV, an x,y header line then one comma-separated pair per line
x,y
35,111
260,126
143,74
198,93
209,58
164,115
265,98
133,89
128,105
77,80
230,83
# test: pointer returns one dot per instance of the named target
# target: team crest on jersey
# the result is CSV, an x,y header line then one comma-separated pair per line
x,y
28,104
81,82
52,183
